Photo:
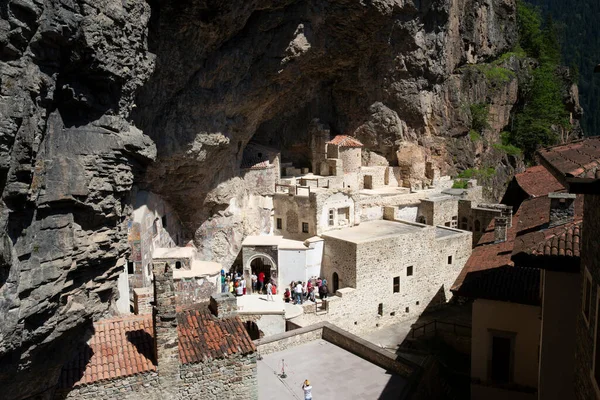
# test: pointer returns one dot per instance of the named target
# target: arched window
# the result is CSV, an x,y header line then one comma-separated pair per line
x,y
464,222
336,282
477,226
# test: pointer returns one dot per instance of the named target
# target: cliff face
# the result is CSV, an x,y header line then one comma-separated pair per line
x,y
93,92
68,158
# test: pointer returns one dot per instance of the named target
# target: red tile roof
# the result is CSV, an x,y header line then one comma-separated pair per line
x,y
515,284
528,227
576,159
118,348
125,346
345,141
204,337
562,240
537,181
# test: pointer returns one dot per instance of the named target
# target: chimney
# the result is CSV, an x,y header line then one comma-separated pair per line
x,y
507,211
500,229
223,305
165,325
562,208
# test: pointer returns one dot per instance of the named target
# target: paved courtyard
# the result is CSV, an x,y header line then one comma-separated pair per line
x,y
333,372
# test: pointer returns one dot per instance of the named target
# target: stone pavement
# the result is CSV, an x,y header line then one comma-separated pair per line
x,y
333,372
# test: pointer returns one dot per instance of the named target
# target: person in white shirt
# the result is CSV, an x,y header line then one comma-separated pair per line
x,y
269,292
307,390
239,290
254,281
298,292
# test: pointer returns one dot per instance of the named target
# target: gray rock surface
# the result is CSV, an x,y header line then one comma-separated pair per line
x,y
91,92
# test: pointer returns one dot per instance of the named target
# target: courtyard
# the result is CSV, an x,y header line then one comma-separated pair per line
x,y
333,372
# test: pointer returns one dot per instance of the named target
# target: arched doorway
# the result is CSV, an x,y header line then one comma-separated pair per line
x,y
264,264
335,281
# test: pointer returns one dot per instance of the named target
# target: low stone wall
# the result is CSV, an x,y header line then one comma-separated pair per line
x,y
142,300
234,377
293,338
368,351
131,387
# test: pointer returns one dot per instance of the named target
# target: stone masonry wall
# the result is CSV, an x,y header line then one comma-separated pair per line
x,y
377,263
142,386
234,377
293,210
590,259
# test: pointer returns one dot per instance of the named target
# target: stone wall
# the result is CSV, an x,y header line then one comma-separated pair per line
x,y
371,267
351,159
234,377
590,260
293,211
285,340
379,177
141,386
441,211
193,290
142,300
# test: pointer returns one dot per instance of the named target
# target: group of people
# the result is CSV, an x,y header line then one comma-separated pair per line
x,y
233,283
299,291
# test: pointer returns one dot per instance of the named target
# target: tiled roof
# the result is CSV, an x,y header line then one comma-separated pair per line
x,y
124,347
561,241
514,284
118,348
529,227
537,181
345,141
579,159
203,337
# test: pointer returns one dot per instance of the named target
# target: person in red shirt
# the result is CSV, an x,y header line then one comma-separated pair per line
x,y
261,281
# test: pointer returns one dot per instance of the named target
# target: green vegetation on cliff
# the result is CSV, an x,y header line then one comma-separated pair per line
x,y
541,108
579,32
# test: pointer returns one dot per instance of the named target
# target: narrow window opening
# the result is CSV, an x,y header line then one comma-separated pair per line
x,y
305,227
409,270
449,259
397,284
380,309
279,223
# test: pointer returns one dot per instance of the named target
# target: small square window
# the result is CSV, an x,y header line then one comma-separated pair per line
x,y
407,309
409,270
397,284
279,223
449,259
305,227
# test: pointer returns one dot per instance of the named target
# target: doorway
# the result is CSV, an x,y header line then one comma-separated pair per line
x,y
336,282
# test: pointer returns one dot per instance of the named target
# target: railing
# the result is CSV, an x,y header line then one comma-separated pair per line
x,y
436,326
291,189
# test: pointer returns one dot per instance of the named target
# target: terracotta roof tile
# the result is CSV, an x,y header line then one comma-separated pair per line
x,y
345,141
529,228
537,181
514,284
124,347
576,159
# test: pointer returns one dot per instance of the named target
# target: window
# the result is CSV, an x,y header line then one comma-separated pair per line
x,y
331,217
447,224
464,222
587,296
177,264
164,222
130,269
397,284
477,226
279,223
305,227
502,355
409,270
380,309
449,260
336,282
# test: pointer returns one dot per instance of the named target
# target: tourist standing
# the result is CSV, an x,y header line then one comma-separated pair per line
x,y
230,285
243,285
307,390
261,281
298,293
310,290
287,295
223,282
254,282
269,292
239,289
323,291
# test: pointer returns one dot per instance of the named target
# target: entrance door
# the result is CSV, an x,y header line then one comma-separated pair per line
x,y
336,282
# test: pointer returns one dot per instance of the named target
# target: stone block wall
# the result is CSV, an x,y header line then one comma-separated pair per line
x,y
285,340
371,268
439,212
590,260
293,211
234,377
142,300
377,174
351,159
141,386
194,290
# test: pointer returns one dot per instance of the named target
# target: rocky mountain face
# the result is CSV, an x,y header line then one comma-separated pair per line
x,y
99,96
